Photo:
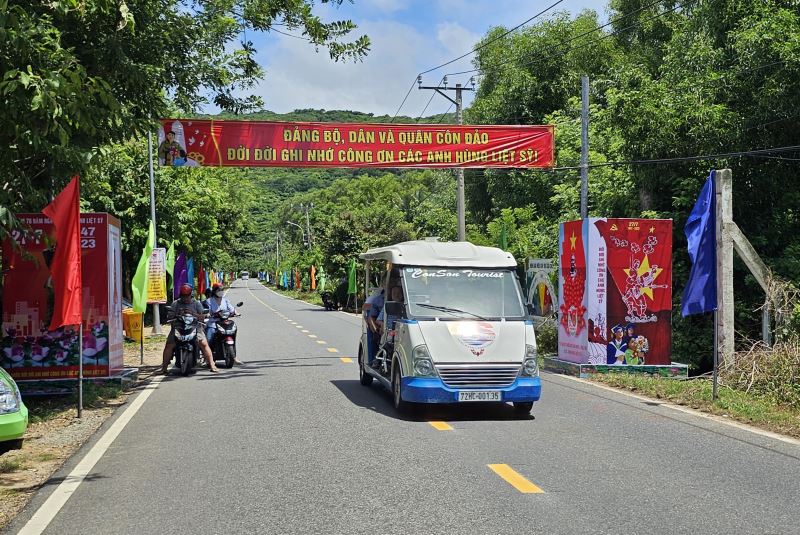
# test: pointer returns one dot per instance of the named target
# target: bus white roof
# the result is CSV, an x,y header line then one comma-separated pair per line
x,y
441,254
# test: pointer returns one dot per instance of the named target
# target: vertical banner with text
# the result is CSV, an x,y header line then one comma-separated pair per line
x,y
157,276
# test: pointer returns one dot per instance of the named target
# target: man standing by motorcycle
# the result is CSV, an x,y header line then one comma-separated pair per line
x,y
187,304
218,302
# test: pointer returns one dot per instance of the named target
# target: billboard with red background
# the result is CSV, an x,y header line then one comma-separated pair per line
x,y
618,311
29,350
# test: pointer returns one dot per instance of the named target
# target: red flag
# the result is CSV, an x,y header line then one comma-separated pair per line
x,y
65,270
201,280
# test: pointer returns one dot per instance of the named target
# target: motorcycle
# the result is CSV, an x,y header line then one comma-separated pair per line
x,y
223,345
187,350
328,301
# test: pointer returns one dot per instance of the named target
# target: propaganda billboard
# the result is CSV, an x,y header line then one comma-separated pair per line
x,y
208,142
625,294
29,350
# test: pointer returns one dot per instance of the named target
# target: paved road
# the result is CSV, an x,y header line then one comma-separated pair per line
x,y
291,443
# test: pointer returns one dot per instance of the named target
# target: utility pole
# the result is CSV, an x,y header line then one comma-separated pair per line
x,y
277,251
156,315
308,207
584,147
462,227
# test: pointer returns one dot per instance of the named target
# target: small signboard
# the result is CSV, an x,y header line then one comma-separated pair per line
x,y
539,286
157,276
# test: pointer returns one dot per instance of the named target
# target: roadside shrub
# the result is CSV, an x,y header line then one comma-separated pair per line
x,y
547,338
772,372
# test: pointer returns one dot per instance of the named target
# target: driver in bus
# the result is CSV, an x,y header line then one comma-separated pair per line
x,y
395,294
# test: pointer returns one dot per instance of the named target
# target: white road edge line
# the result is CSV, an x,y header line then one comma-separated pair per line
x,y
693,412
50,508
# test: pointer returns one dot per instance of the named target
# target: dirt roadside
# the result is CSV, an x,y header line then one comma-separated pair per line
x,y
55,433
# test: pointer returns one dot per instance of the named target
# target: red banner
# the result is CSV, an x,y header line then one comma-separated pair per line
x,y
208,142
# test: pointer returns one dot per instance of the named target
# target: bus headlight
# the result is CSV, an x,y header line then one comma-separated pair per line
x,y
423,366
530,366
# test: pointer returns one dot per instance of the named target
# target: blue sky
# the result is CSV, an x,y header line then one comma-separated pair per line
x,y
408,36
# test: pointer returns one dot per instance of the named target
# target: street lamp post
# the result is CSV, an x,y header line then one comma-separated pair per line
x,y
307,207
302,230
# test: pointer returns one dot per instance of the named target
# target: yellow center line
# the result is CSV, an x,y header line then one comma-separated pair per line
x,y
312,335
346,360
441,426
304,331
332,350
321,342
514,479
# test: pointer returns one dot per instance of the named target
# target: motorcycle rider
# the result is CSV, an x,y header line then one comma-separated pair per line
x,y
216,303
187,303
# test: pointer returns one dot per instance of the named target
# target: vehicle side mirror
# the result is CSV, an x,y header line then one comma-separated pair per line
x,y
206,310
394,308
240,303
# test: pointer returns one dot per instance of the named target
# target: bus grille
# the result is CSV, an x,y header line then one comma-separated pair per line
x,y
477,375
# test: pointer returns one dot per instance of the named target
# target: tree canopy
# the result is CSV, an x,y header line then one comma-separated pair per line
x,y
79,74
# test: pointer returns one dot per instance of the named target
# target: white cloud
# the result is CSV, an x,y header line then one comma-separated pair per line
x,y
299,77
456,39
386,6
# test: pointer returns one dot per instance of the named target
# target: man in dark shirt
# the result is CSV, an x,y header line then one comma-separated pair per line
x,y
187,304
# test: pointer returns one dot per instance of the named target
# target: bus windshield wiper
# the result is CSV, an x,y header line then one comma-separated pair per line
x,y
450,310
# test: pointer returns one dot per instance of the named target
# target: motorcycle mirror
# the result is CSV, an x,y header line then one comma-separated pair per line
x,y
206,310
240,303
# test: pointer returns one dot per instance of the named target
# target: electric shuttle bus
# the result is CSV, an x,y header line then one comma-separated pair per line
x,y
448,324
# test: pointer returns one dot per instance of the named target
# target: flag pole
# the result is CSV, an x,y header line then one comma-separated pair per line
x,y
715,374
80,370
141,342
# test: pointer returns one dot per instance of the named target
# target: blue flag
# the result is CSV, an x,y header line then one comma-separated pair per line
x,y
700,294
190,271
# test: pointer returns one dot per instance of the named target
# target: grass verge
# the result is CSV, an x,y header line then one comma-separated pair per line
x,y
741,406
308,297
11,465
47,408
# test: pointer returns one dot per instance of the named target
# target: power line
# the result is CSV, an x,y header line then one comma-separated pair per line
x,y
433,94
593,30
450,107
753,152
487,43
482,45
404,100
289,34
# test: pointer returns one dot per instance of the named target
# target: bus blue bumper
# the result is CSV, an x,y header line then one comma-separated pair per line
x,y
433,390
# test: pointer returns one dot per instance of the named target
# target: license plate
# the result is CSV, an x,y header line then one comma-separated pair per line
x,y
479,395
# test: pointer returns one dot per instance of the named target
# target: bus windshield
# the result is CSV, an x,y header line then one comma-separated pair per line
x,y
462,293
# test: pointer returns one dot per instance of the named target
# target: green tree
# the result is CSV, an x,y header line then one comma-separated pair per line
x,y
77,75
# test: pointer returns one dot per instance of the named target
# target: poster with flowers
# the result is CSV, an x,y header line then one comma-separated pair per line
x,y
29,350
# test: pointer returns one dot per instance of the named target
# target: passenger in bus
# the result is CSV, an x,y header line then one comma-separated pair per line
x,y
396,294
371,308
